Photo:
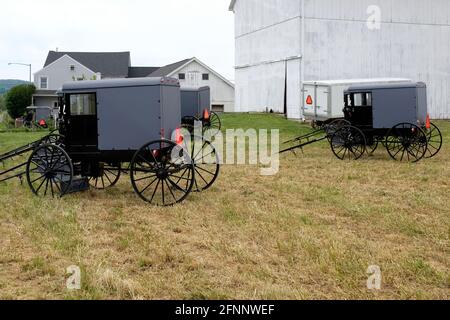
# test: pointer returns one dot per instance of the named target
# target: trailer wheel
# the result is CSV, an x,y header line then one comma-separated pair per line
x,y
434,137
348,143
109,178
206,162
162,173
49,171
406,142
213,125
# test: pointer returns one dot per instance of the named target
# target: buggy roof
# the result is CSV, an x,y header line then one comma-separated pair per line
x,y
386,86
119,83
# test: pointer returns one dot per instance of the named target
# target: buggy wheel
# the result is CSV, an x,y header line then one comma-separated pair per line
x,y
348,143
162,173
335,125
206,162
213,125
49,171
434,139
109,178
372,146
406,142
55,139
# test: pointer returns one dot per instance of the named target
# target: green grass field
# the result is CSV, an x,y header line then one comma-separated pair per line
x,y
309,232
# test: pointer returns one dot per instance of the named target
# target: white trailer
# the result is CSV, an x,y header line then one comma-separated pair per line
x,y
324,100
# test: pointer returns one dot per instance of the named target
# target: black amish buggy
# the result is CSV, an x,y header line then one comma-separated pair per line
x,y
394,115
196,107
110,127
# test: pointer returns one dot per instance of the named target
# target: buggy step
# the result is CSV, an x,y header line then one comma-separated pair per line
x,y
78,185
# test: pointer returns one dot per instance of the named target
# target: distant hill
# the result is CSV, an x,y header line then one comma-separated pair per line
x,y
6,85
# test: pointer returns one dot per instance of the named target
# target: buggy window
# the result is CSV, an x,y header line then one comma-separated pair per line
x,y
82,104
362,100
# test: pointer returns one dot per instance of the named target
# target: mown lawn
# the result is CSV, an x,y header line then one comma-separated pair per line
x,y
309,232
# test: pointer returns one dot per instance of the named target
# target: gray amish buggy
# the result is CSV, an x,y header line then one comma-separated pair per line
x,y
394,115
196,107
107,124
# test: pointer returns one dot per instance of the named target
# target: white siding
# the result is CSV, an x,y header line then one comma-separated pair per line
x,y
414,42
59,72
221,92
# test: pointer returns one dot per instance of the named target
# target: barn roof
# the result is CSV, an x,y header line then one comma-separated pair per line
x,y
141,72
109,64
166,70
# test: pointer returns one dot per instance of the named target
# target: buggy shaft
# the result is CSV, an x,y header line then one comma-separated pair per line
x,y
302,145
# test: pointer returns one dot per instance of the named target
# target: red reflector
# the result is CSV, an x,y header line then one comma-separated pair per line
x,y
206,114
42,123
179,137
428,124
309,100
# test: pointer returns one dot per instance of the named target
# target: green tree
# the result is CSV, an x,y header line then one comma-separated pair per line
x,y
18,99
2,103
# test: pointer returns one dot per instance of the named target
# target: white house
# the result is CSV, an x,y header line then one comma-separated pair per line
x,y
194,73
282,43
61,67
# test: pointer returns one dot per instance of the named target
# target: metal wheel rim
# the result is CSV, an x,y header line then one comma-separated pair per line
x,y
49,171
145,168
435,141
110,177
206,162
348,143
403,146
214,124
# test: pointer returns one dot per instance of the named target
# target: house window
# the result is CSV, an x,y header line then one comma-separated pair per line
x,y
72,68
182,76
205,76
44,83
82,104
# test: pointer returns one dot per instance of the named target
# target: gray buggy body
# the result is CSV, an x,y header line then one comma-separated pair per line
x,y
194,101
128,113
392,104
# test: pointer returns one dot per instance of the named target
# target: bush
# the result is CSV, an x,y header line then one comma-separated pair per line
x,y
18,99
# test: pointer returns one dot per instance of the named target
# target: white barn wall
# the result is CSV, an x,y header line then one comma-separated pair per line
x,y
414,42
267,35
221,92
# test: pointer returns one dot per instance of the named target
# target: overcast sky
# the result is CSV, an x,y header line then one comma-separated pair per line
x,y
156,32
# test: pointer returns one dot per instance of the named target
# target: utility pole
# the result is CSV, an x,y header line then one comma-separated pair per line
x,y
22,64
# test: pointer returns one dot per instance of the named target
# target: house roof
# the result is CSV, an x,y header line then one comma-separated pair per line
x,y
141,72
233,2
109,64
166,70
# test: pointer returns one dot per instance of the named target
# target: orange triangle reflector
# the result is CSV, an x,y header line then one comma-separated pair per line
x,y
428,124
309,100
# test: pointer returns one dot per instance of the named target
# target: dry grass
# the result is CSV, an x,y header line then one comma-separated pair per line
x,y
309,232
